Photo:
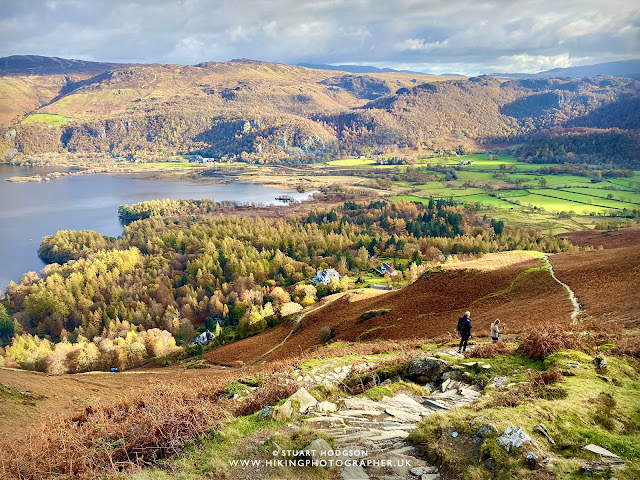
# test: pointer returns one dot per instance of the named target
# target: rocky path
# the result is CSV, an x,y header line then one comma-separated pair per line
x,y
380,428
572,295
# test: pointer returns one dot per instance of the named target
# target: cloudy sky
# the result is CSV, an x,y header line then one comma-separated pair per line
x,y
457,36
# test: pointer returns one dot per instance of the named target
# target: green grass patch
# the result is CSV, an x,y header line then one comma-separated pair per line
x,y
351,162
582,198
593,411
48,118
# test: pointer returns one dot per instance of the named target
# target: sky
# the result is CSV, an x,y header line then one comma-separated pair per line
x,y
454,36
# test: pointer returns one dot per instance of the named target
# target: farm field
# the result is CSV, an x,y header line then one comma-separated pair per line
x,y
351,162
622,196
583,198
49,118
519,188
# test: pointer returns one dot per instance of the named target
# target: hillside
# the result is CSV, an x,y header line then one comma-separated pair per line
x,y
511,286
262,112
27,82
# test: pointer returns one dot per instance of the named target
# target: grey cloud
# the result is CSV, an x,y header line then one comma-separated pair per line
x,y
466,36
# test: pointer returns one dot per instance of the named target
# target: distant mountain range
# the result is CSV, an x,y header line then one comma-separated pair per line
x,y
625,68
38,65
267,112
354,68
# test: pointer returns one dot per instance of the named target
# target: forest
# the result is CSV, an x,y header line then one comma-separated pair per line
x,y
103,302
265,120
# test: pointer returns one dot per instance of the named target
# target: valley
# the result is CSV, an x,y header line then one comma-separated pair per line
x,y
206,267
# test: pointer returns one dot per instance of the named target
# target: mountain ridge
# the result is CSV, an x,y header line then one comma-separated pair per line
x,y
624,68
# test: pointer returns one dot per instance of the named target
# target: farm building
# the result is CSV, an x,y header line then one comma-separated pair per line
x,y
326,275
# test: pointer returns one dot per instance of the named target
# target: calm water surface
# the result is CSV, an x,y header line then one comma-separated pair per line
x,y
30,211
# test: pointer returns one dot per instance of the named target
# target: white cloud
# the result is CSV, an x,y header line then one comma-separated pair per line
x,y
466,36
413,44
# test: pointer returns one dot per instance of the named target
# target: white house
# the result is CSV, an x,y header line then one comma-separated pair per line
x,y
388,268
326,275
204,338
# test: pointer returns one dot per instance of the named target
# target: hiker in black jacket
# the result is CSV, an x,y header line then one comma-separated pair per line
x,y
464,330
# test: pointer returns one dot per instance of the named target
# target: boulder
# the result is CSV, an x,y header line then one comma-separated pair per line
x,y
327,407
500,382
418,471
600,362
485,430
265,413
532,461
305,399
428,368
283,412
319,449
353,472
603,452
513,437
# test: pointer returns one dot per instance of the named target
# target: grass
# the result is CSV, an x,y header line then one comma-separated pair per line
x,y
600,193
210,456
351,162
593,411
49,118
553,204
583,198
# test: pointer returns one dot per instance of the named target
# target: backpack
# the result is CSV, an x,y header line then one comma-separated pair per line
x,y
464,326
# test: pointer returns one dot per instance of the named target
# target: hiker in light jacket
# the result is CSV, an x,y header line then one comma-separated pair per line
x,y
464,330
496,330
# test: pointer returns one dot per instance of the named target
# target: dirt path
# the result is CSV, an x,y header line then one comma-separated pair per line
x,y
294,328
572,295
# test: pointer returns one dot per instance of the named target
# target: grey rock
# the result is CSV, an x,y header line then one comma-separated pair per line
x,y
591,468
428,367
417,471
327,407
600,362
500,382
283,412
532,461
403,414
573,364
606,379
430,476
353,472
305,399
266,412
513,437
485,430
319,449
603,452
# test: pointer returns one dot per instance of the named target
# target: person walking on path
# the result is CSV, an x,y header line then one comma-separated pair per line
x,y
496,330
464,330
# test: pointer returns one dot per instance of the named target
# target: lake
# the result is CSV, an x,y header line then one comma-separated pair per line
x,y
31,211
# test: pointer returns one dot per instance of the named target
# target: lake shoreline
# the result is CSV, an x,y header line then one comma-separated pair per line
x,y
85,199
148,171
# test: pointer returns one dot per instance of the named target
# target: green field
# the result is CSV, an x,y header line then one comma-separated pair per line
x,y
486,200
597,193
351,162
552,204
50,118
583,198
